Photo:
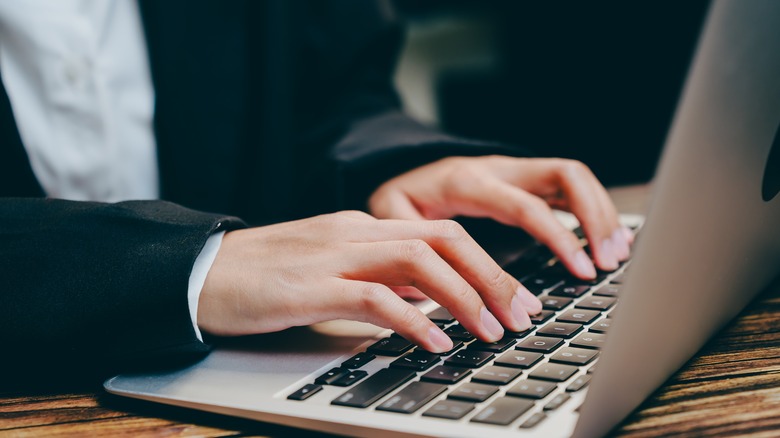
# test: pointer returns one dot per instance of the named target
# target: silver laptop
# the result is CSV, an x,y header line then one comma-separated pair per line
x,y
710,243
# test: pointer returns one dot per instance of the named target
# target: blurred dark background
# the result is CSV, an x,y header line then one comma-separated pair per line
x,y
594,81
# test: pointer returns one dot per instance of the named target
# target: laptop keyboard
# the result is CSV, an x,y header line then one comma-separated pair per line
x,y
497,382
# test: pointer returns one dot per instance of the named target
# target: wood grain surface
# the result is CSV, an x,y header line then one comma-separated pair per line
x,y
731,388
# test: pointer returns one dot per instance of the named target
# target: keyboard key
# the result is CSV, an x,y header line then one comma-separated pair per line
x,y
559,330
469,358
358,360
529,262
555,303
418,360
331,376
412,398
373,388
589,340
618,279
456,345
459,332
446,374
391,346
609,290
555,271
592,369
542,344
305,392
503,411
532,388
449,409
578,383
601,326
553,371
441,315
556,402
579,316
495,375
518,335
543,316
574,356
596,303
518,359
533,420
495,347
569,291
350,378
475,392
540,283
573,281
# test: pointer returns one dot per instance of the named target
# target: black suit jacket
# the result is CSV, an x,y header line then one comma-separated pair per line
x,y
265,110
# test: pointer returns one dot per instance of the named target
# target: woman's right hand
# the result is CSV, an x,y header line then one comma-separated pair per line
x,y
345,266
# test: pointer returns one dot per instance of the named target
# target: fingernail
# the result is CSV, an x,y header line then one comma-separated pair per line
x,y
491,324
520,314
628,234
584,265
530,302
439,340
608,259
621,246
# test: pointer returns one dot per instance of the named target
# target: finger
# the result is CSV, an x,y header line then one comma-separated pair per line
x,y
409,292
415,263
629,235
503,295
394,204
516,207
355,214
377,304
571,186
620,239
590,203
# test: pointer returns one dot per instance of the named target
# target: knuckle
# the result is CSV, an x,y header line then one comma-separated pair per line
x,y
354,214
449,230
463,296
532,207
408,316
330,220
572,168
467,181
373,298
415,250
497,279
454,161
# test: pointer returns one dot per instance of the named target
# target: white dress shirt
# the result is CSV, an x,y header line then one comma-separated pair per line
x,y
77,75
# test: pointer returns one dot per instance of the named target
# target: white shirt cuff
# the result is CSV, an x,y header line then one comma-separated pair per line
x,y
198,276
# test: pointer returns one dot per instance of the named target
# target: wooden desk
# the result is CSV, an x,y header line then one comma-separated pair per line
x,y
731,387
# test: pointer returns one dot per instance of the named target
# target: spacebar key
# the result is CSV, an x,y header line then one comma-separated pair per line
x,y
374,388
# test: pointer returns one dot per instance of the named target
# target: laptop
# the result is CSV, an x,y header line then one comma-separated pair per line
x,y
709,244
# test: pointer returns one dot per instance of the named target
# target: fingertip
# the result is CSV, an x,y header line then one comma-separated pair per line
x,y
491,325
439,341
520,312
606,258
583,266
620,244
531,303
628,235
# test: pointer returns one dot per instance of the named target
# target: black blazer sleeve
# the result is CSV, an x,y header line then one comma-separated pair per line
x,y
91,287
